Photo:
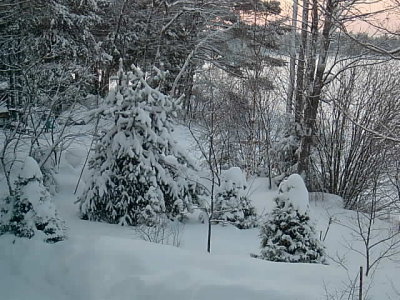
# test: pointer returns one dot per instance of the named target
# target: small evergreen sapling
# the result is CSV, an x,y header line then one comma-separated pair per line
x,y
137,171
30,210
287,235
231,203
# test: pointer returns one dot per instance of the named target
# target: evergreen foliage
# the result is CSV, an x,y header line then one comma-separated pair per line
x,y
287,235
48,52
147,33
30,210
231,203
138,172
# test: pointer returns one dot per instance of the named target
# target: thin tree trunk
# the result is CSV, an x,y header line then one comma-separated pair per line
x,y
360,292
292,64
300,86
213,169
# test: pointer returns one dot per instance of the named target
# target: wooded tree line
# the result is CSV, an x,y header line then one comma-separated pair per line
x,y
312,111
339,100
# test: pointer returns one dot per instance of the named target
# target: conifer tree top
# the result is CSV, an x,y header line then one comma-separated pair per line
x,y
235,176
296,193
30,169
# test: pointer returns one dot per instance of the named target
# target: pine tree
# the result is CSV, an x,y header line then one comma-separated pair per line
x,y
231,203
30,210
138,172
48,52
287,235
148,33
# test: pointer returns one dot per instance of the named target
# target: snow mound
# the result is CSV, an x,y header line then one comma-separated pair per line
x,y
31,169
74,157
4,85
296,191
102,268
3,108
327,200
234,176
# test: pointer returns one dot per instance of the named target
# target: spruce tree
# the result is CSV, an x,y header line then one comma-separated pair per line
x,y
231,203
138,172
30,210
288,235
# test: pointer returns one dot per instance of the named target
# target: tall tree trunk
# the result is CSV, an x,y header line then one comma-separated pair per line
x,y
300,86
314,96
293,55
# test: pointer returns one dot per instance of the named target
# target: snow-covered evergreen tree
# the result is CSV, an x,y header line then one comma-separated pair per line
x,y
138,171
231,203
288,235
30,210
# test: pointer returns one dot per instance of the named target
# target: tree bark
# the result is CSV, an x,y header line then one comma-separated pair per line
x,y
300,87
292,64
314,95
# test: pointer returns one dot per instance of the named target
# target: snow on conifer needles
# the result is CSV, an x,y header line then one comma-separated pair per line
x,y
137,171
30,211
288,235
232,204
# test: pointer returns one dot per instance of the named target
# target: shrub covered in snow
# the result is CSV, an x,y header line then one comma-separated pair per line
x,y
137,171
163,231
30,210
287,235
231,203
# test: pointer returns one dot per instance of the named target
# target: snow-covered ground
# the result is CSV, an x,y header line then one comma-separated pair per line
x,y
103,261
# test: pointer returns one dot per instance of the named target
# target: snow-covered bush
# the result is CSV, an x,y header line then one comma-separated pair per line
x,y
47,169
163,231
288,235
283,152
231,203
30,210
137,171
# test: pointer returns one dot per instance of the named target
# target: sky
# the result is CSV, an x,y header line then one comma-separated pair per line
x,y
389,19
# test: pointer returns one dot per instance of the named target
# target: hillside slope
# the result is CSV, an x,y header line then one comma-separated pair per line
x,y
103,261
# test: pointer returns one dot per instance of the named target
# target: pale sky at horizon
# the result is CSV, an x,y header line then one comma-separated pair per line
x,y
388,20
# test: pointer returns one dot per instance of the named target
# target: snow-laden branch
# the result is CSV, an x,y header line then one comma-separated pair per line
x,y
189,57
